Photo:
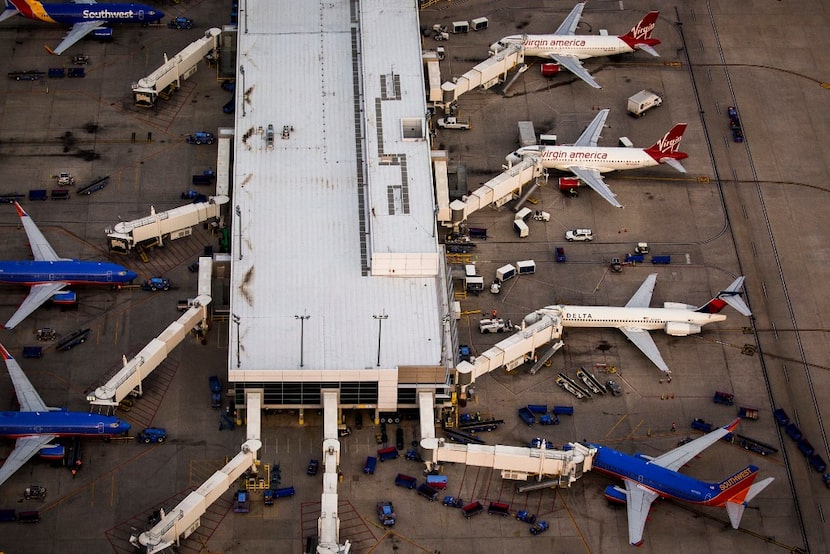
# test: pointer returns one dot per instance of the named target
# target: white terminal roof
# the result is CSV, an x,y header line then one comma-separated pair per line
x,y
337,217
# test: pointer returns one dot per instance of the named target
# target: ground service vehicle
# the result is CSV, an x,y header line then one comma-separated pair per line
x,y
387,453
452,502
313,467
539,527
579,235
643,101
491,325
527,517
152,434
560,254
215,391
613,387
242,502
723,398
180,23
200,137
370,465
454,123
386,513
156,283
701,425
472,509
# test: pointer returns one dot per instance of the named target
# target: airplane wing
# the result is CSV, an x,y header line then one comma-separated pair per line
x,y
642,298
38,295
637,503
24,449
76,33
27,396
642,340
41,249
573,65
678,457
592,132
568,26
593,179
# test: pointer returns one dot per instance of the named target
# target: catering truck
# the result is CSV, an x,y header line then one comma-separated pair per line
x,y
643,101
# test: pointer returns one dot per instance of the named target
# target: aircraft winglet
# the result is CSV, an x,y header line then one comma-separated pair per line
x,y
20,211
732,426
5,353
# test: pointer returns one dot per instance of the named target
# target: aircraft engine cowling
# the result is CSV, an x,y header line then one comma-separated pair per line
x,y
676,329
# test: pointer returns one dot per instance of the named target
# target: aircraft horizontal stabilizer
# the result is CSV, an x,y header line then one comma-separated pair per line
x,y
735,508
647,48
732,296
673,163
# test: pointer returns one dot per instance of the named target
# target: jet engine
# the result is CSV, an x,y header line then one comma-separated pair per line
x,y
676,329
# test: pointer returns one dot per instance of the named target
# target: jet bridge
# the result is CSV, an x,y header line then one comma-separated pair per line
x,y
129,378
488,73
563,467
158,227
184,519
169,77
328,524
497,191
512,351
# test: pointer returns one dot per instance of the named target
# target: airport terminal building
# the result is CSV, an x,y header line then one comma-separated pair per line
x,y
338,279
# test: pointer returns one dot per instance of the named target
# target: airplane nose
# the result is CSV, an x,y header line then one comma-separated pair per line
x,y
132,275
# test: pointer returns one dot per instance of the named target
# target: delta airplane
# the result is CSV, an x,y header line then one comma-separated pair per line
x,y
647,479
48,275
568,50
36,425
588,162
636,318
85,16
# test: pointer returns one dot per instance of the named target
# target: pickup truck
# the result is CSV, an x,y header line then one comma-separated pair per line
x,y
454,123
180,23
156,283
200,137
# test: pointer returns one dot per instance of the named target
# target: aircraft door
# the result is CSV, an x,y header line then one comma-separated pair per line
x,y
109,276
141,15
100,428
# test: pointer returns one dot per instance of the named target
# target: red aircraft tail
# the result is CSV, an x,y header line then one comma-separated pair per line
x,y
667,147
640,35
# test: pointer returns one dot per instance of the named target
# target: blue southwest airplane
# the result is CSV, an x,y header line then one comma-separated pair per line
x,y
48,275
85,16
648,478
36,425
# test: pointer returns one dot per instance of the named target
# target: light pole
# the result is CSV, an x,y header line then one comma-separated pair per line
x,y
237,321
302,319
380,319
239,223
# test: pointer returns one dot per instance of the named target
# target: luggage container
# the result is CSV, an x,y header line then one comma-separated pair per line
x,y
284,492
563,410
60,194
781,417
550,69
818,463
521,228
428,492
526,267
523,214
29,516
499,509
634,258
505,272
38,194
479,23
723,398
700,425
477,233
437,481
793,431
32,352
472,509
8,515
460,27
527,416
405,481
370,465
661,259
387,453
538,408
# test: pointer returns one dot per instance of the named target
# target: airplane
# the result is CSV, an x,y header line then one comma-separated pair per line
x,y
568,50
636,318
647,479
588,162
85,16
48,275
36,425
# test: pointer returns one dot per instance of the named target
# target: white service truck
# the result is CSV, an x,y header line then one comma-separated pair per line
x,y
454,123
643,101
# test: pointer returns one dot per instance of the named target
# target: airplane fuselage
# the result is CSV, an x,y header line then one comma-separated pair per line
x,y
64,271
576,46
602,159
61,423
70,13
649,319
663,481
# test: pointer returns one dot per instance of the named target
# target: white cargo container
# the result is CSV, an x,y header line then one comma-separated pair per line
x,y
479,23
505,272
521,228
527,134
526,267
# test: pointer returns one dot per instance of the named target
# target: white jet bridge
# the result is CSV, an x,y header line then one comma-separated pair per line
x,y
512,351
169,76
557,467
158,227
488,73
497,191
328,525
129,378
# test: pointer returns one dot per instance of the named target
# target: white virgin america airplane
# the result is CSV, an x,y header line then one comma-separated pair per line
x,y
636,318
568,50
588,162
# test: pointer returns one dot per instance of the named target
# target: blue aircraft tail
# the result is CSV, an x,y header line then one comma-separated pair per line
x,y
9,11
732,296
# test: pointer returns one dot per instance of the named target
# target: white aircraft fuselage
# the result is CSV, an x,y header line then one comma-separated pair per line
x,y
674,321
576,46
602,159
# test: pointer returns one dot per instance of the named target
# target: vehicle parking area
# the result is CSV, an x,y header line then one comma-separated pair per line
x,y
749,208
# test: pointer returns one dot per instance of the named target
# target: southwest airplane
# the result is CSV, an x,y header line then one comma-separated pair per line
x,y
647,479
588,162
568,50
48,274
636,318
36,425
85,16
